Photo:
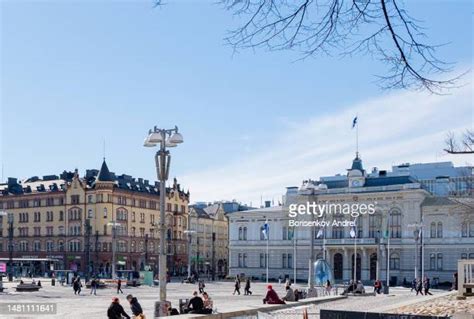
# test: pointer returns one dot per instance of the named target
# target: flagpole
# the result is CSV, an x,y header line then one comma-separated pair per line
x,y
357,135
294,254
324,243
267,256
355,251
388,257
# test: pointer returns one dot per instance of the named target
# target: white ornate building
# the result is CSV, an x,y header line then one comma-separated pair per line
x,y
403,205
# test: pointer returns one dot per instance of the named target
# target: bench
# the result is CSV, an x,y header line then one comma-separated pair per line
x,y
27,288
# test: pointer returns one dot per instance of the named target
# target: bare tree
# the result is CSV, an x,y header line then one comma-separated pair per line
x,y
463,146
380,28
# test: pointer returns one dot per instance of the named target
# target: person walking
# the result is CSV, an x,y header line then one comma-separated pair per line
x,y
377,286
328,287
119,286
135,307
79,285
247,287
94,286
237,286
201,286
116,310
76,285
427,286
419,287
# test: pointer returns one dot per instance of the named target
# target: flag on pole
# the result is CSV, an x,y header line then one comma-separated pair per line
x,y
320,233
265,230
353,232
354,122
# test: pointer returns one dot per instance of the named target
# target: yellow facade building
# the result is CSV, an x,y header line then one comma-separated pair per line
x,y
70,222
209,240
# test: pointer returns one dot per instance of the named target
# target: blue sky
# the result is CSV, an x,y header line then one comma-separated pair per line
x,y
74,74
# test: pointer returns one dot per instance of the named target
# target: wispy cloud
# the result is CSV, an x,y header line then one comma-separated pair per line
x,y
396,128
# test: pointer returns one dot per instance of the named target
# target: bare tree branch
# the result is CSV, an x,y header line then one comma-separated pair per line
x,y
465,146
380,28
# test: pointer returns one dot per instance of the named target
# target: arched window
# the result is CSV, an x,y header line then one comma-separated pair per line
x,y
374,225
440,230
338,266
463,256
396,224
245,233
433,230
241,233
394,261
245,260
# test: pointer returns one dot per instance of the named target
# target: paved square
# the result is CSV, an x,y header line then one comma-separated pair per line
x,y
89,306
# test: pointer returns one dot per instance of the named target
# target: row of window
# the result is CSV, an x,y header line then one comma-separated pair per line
x,y
339,232
76,214
436,260
77,246
286,260
24,203
25,217
75,200
76,230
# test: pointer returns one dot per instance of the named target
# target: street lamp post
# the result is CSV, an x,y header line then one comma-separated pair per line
x,y
308,189
295,243
146,250
10,243
213,257
165,138
113,224
88,247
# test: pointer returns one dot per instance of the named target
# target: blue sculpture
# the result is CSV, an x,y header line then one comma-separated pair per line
x,y
322,272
